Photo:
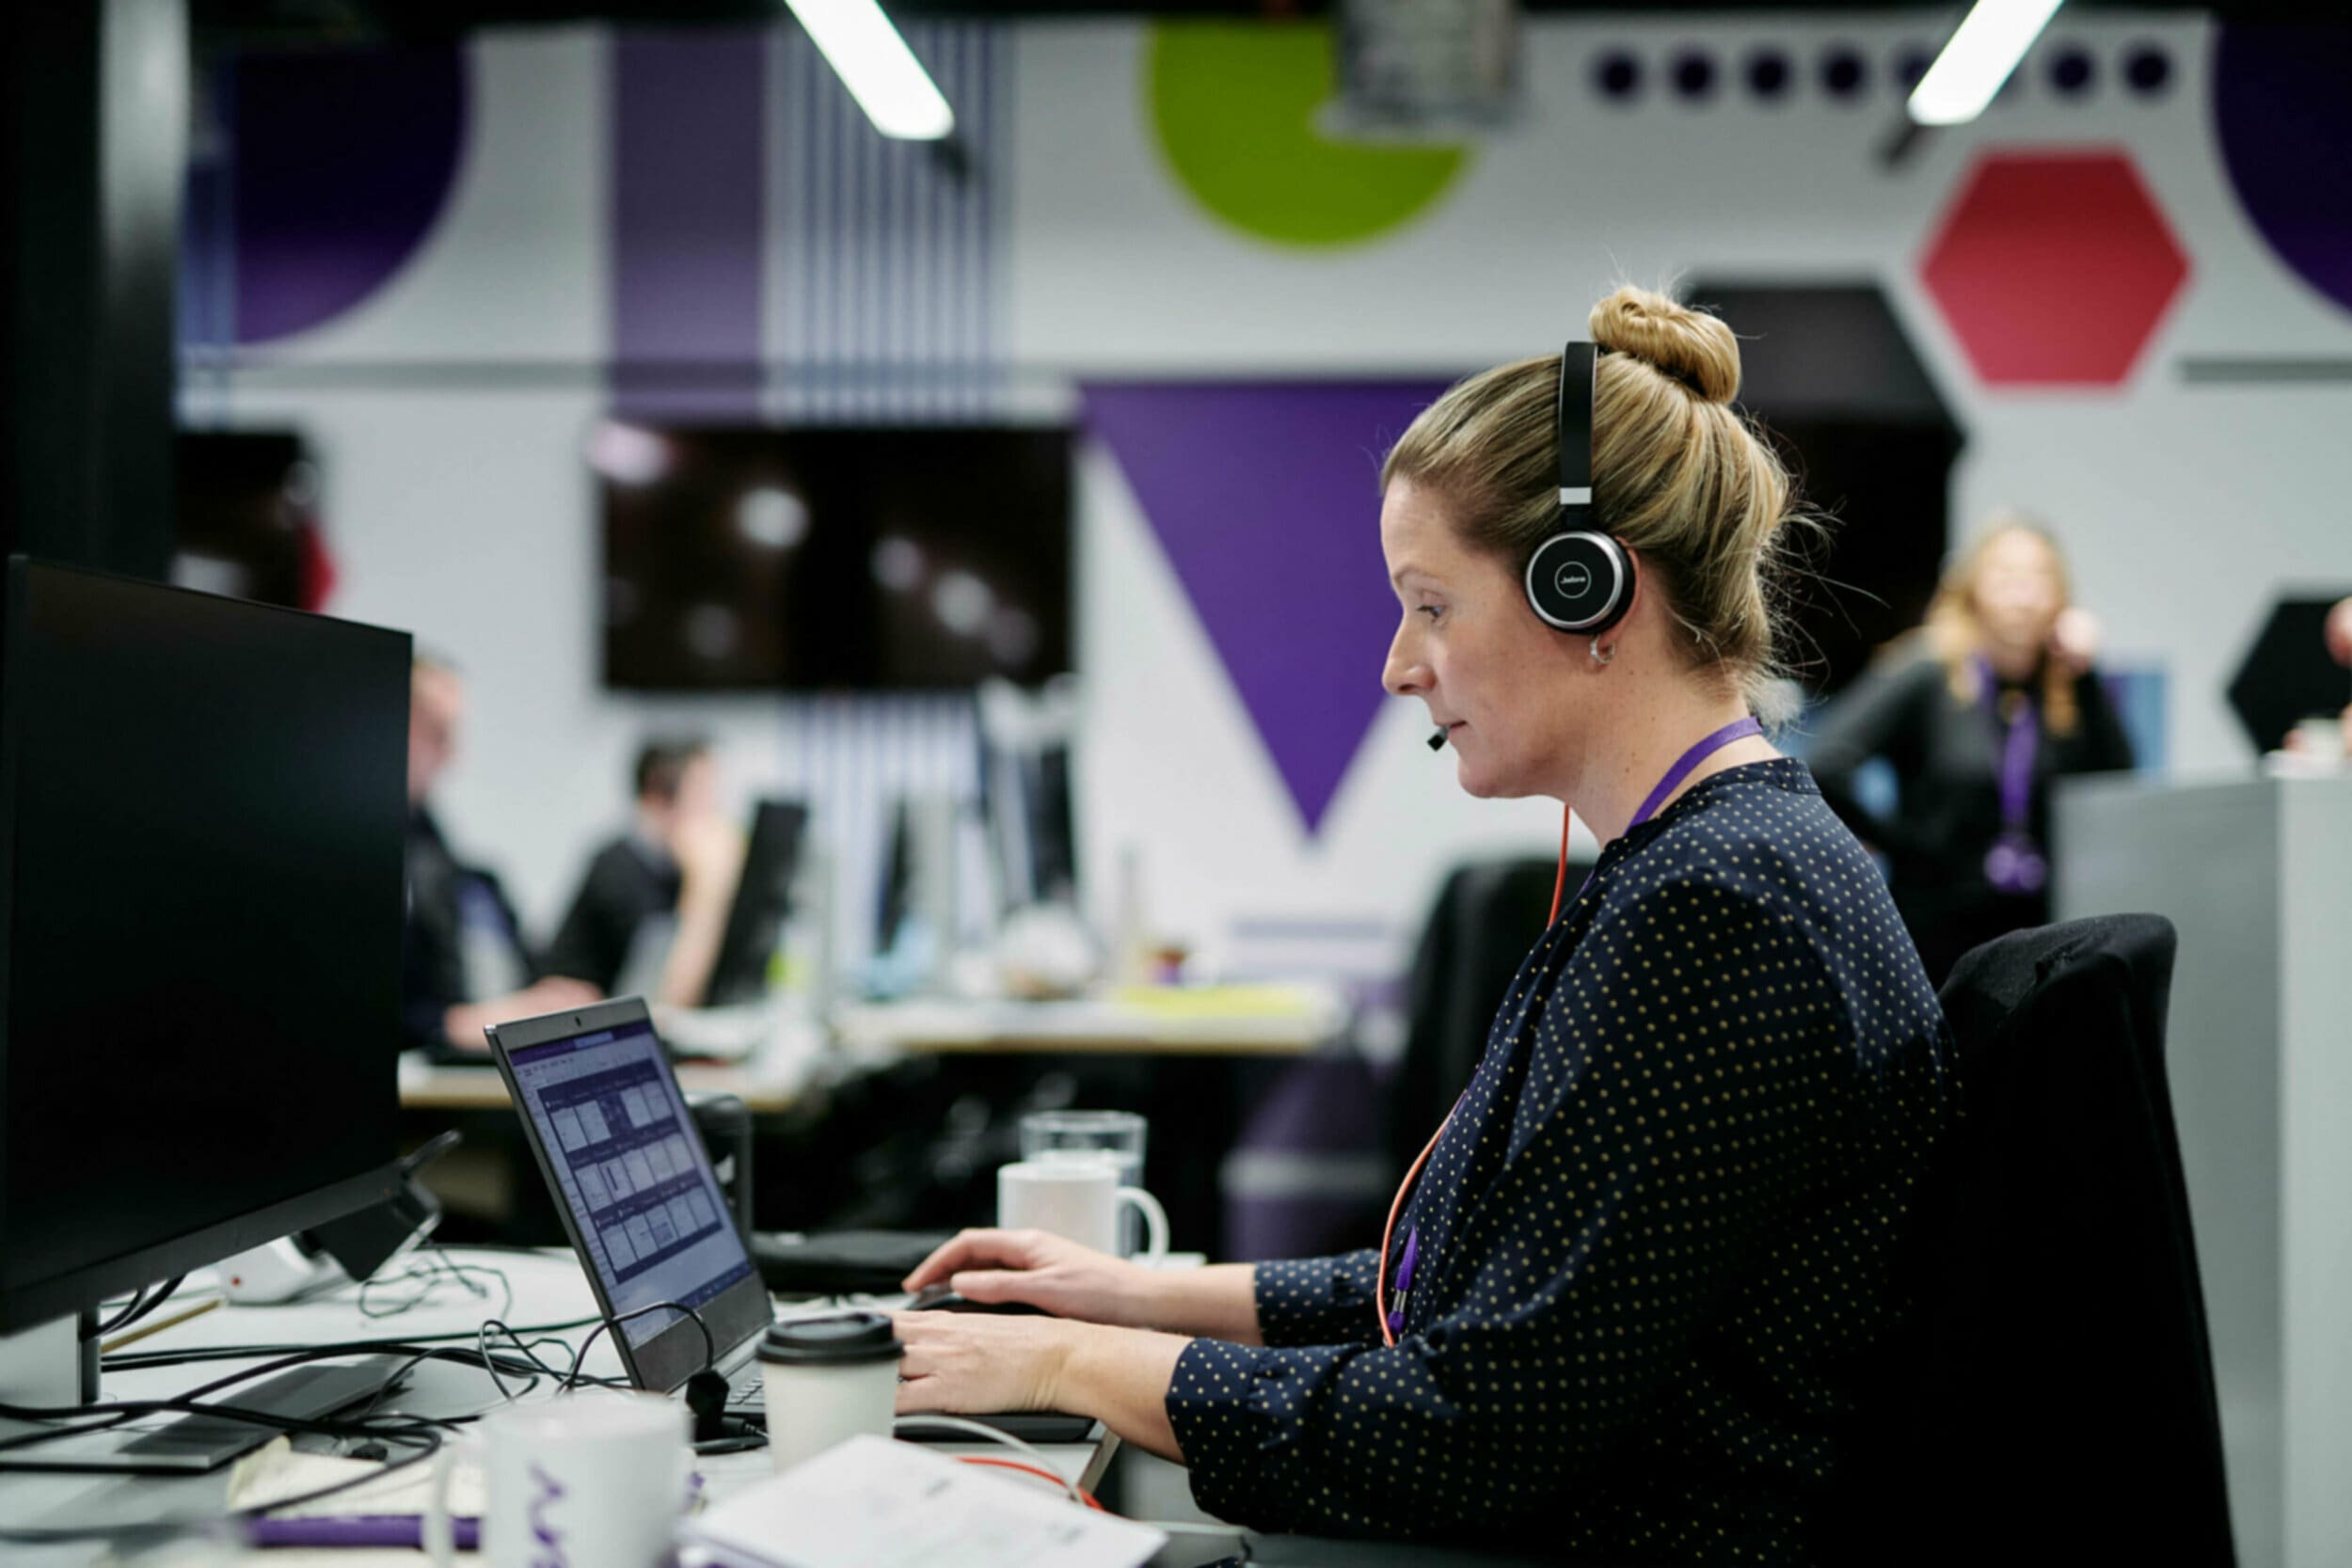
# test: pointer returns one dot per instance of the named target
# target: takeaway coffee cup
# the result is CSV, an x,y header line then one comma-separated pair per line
x,y
828,1380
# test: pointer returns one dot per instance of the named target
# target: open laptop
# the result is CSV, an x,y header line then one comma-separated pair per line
x,y
604,1115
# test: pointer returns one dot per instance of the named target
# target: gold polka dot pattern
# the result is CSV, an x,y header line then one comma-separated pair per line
x,y
1654,1238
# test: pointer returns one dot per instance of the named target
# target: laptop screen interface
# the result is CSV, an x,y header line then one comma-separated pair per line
x,y
633,1171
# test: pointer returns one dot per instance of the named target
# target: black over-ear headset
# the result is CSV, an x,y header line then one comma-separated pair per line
x,y
1578,580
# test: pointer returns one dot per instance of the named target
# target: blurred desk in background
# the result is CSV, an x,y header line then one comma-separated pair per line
x,y
2256,875
1144,1021
1191,1059
481,1088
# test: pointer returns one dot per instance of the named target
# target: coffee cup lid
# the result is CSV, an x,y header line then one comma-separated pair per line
x,y
852,1336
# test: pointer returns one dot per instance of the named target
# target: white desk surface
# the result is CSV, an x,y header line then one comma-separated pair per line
x,y
548,1288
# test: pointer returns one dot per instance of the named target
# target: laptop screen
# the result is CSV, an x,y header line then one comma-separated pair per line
x,y
632,1169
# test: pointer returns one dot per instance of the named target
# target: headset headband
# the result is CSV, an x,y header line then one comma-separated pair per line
x,y
1577,362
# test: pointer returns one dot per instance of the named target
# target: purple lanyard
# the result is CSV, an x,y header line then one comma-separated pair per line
x,y
1739,728
2019,744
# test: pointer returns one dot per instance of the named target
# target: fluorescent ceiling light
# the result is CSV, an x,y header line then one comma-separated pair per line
x,y
1992,39
875,64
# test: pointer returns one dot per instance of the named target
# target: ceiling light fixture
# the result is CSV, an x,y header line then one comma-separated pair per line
x,y
1986,47
878,67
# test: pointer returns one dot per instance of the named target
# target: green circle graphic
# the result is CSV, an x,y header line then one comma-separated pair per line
x,y
1234,106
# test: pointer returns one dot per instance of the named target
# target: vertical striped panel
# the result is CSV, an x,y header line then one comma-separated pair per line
x,y
882,291
884,285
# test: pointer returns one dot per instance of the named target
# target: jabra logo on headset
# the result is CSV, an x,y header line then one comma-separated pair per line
x,y
1573,580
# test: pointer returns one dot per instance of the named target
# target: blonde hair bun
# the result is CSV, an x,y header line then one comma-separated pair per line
x,y
1686,346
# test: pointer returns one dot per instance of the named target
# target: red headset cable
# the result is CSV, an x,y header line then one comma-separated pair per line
x,y
1560,882
1387,1231
1034,1470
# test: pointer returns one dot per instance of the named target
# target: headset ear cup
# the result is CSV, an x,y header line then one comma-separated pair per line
x,y
1579,583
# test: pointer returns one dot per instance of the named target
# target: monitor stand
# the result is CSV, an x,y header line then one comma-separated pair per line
x,y
41,1366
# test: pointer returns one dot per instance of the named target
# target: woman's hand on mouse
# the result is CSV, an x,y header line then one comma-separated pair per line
x,y
1041,1269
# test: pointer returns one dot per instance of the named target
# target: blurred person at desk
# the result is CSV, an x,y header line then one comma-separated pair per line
x,y
463,960
1994,697
2338,636
1625,1304
652,907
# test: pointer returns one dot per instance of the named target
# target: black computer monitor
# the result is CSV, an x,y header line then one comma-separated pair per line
x,y
763,897
202,804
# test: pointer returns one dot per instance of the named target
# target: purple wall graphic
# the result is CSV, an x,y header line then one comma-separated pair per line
x,y
1266,496
318,175
689,169
2283,110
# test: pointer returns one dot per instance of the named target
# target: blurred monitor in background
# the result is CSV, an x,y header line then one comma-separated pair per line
x,y
1027,793
760,907
833,558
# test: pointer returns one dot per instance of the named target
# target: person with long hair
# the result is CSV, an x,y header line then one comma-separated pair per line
x,y
1625,1305
1994,696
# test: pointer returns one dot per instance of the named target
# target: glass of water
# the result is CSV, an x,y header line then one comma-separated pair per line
x,y
1114,1136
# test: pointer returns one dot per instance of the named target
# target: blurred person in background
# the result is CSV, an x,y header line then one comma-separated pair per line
x,y
2339,637
1994,697
652,906
464,960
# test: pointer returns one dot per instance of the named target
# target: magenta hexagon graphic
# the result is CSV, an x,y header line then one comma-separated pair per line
x,y
2054,268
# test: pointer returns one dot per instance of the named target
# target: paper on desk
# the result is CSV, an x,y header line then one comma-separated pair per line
x,y
274,1472
874,1503
1238,1000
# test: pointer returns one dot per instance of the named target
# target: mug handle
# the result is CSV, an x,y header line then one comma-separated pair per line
x,y
436,1533
1154,1220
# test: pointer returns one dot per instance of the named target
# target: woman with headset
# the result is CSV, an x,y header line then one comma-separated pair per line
x,y
1622,1304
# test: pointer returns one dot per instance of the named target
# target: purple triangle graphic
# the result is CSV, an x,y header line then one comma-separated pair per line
x,y
1266,496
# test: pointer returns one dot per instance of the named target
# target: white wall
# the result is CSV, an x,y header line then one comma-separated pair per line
x,y
467,516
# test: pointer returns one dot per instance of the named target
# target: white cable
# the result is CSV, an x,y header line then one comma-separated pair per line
x,y
981,1429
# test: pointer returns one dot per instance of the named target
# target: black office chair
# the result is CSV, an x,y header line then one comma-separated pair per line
x,y
1486,917
2053,1398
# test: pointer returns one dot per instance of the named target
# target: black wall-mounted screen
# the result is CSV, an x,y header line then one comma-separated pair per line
x,y
833,558
245,500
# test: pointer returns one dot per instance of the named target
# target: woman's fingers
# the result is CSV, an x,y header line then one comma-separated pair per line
x,y
993,1285
971,1249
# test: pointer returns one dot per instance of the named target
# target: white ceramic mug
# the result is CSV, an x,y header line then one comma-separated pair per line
x,y
1118,1136
584,1481
1078,1199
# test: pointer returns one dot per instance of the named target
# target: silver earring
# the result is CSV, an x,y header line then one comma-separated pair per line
x,y
1601,655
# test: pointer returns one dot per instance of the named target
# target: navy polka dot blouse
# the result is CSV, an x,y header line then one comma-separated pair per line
x,y
1655,1236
